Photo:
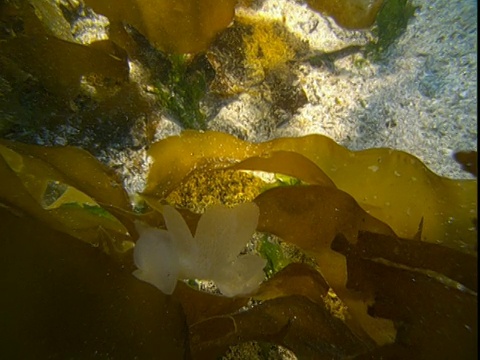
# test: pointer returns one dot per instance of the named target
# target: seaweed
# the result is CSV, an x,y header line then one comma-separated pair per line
x,y
47,77
71,61
468,160
67,233
95,77
391,22
177,28
77,200
267,46
350,14
393,186
183,90
65,298
424,305
255,54
274,254
370,281
388,20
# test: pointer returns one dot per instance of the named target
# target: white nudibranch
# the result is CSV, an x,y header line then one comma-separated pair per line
x,y
163,256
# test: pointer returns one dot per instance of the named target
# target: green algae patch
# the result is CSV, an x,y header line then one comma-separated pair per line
x,y
177,27
391,23
274,254
183,90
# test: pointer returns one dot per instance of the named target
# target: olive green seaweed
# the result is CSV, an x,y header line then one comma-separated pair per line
x,y
182,92
368,294
391,23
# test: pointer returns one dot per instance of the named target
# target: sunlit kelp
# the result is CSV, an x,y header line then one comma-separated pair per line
x,y
373,292
351,14
48,77
59,64
386,183
393,186
172,26
67,189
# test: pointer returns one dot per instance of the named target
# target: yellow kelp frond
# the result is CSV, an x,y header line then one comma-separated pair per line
x,y
351,14
58,63
67,189
173,26
391,185
352,287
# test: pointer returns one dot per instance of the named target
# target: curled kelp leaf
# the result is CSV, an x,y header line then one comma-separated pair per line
x,y
296,311
56,191
81,169
293,304
430,259
319,214
391,185
294,322
287,163
350,14
186,26
433,320
59,65
302,280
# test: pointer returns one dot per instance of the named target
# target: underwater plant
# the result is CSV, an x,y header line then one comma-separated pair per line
x,y
383,249
172,41
373,255
391,22
351,14
177,27
183,90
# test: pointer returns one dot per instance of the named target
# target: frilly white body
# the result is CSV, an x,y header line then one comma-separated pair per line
x,y
163,256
